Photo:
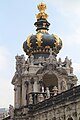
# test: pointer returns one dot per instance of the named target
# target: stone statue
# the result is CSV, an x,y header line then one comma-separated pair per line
x,y
71,70
11,111
63,85
32,59
47,92
40,60
55,90
30,99
67,62
20,64
59,62
70,62
40,97
42,89
51,56
50,51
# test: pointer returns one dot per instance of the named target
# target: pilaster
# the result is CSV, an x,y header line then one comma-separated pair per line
x,y
23,93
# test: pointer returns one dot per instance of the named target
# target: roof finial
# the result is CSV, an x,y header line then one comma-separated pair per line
x,y
41,7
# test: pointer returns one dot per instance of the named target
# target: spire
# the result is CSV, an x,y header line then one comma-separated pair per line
x,y
42,23
42,7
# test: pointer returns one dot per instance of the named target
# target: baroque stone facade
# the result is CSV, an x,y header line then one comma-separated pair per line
x,y
35,83
45,91
45,87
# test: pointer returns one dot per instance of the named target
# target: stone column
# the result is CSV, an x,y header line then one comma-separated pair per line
x,y
59,85
35,86
15,89
30,89
17,96
23,93
27,91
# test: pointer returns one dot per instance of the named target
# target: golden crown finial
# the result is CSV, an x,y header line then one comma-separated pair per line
x,y
41,7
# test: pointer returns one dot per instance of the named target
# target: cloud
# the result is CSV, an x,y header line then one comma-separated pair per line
x,y
6,93
6,89
70,12
73,40
76,67
4,58
66,7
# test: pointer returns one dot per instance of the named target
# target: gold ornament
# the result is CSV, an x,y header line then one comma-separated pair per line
x,y
39,38
44,31
42,14
44,25
57,39
41,7
28,41
47,46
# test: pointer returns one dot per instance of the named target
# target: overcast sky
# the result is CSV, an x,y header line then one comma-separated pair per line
x,y
17,19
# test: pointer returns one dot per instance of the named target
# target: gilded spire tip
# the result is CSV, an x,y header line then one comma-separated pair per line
x,y
42,7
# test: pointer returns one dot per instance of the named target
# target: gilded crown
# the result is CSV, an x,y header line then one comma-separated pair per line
x,y
41,43
41,7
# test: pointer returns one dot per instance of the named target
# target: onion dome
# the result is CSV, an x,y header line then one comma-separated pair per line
x,y
40,44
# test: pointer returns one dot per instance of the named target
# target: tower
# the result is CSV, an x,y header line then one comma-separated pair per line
x,y
42,77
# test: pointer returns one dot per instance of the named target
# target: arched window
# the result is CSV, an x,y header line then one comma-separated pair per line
x,y
54,118
70,118
50,80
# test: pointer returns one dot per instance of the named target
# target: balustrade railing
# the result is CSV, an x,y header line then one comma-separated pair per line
x,y
62,98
